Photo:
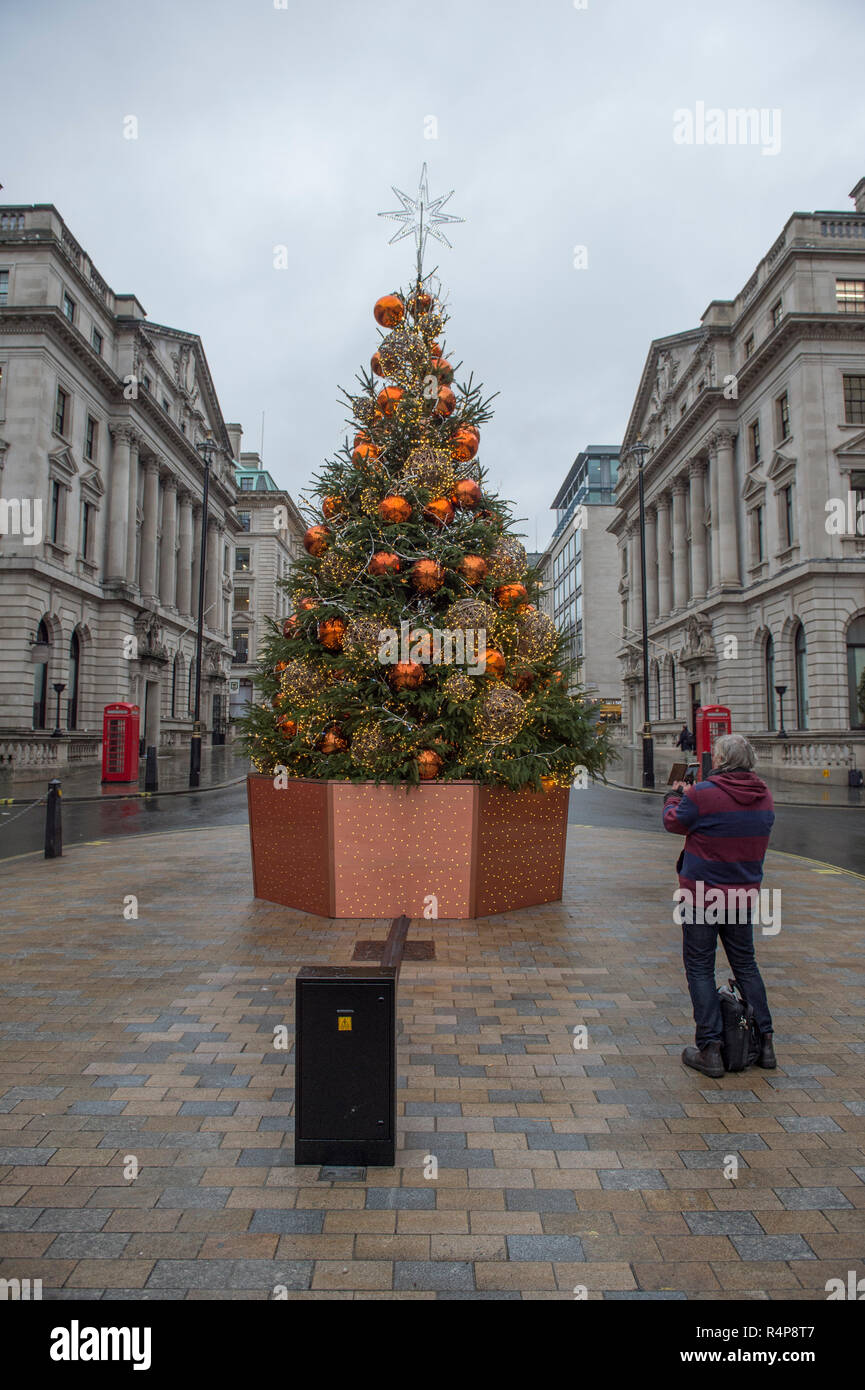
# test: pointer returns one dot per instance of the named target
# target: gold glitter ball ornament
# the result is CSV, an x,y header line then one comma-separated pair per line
x,y
304,680
508,561
373,744
337,568
458,688
402,353
362,639
430,468
538,639
500,715
472,614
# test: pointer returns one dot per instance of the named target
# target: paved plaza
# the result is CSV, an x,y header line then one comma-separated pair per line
x,y
147,1045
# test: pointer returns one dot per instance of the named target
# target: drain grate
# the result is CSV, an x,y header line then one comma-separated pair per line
x,y
412,950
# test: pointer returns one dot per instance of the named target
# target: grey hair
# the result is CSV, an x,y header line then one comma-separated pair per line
x,y
734,753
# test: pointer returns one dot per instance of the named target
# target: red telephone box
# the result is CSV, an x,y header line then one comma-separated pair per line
x,y
712,722
120,742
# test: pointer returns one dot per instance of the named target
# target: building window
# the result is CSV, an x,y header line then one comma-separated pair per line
x,y
244,519
146,382
69,307
72,683
241,647
769,670
850,296
96,341
657,691
247,484
673,701
787,514
758,543
856,671
782,407
86,529
54,520
749,346
754,442
854,400
241,558
4,286
801,664
60,411
241,600
857,488
40,678
91,435
176,678
777,313
166,405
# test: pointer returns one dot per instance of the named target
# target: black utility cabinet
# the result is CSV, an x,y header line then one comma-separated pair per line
x,y
345,1074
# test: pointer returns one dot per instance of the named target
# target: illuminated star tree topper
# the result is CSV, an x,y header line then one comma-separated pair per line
x,y
421,217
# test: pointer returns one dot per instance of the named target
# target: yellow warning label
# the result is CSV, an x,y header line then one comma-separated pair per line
x,y
344,1023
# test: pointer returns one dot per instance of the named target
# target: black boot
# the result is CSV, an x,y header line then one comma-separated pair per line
x,y
707,1059
767,1058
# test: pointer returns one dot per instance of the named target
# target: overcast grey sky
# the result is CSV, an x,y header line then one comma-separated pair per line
x,y
261,126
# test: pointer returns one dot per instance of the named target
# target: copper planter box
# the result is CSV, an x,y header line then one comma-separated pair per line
x,y
345,850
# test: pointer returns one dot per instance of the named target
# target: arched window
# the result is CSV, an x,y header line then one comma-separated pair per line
x,y
191,689
40,676
800,653
657,690
72,683
856,671
673,714
769,663
176,678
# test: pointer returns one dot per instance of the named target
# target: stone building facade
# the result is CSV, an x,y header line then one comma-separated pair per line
x,y
101,413
755,425
271,536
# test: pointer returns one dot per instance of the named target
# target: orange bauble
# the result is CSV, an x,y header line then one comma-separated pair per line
x,y
394,509
333,742
435,349
304,605
439,510
407,675
331,633
526,608
280,666
508,595
472,568
495,663
443,370
384,562
316,539
375,363
420,303
332,506
365,453
426,576
289,626
524,681
446,403
286,726
429,765
465,443
466,493
388,398
389,310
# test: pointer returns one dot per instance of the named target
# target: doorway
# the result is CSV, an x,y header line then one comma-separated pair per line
x,y
696,702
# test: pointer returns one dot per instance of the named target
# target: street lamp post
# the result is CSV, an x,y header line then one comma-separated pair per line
x,y
58,687
640,452
207,449
781,691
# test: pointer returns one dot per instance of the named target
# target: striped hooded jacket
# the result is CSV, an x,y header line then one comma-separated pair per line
x,y
726,822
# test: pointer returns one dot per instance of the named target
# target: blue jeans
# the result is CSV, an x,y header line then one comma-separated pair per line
x,y
699,944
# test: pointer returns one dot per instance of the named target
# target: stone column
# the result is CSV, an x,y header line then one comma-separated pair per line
x,y
665,555
680,544
728,530
213,585
122,437
651,563
635,617
196,557
168,553
184,558
132,521
697,470
148,530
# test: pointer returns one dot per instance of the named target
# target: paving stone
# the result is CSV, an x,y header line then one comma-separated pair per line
x,y
451,1275
22,1157
773,1247
68,1219
631,1179
722,1223
812,1198
212,1198
539,1199
400,1199
86,1245
284,1221
557,1248
230,1274
809,1124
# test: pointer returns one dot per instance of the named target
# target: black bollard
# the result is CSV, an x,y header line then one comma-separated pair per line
x,y
53,821
151,776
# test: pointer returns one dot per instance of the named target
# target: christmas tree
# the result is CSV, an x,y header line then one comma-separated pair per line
x,y
416,648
